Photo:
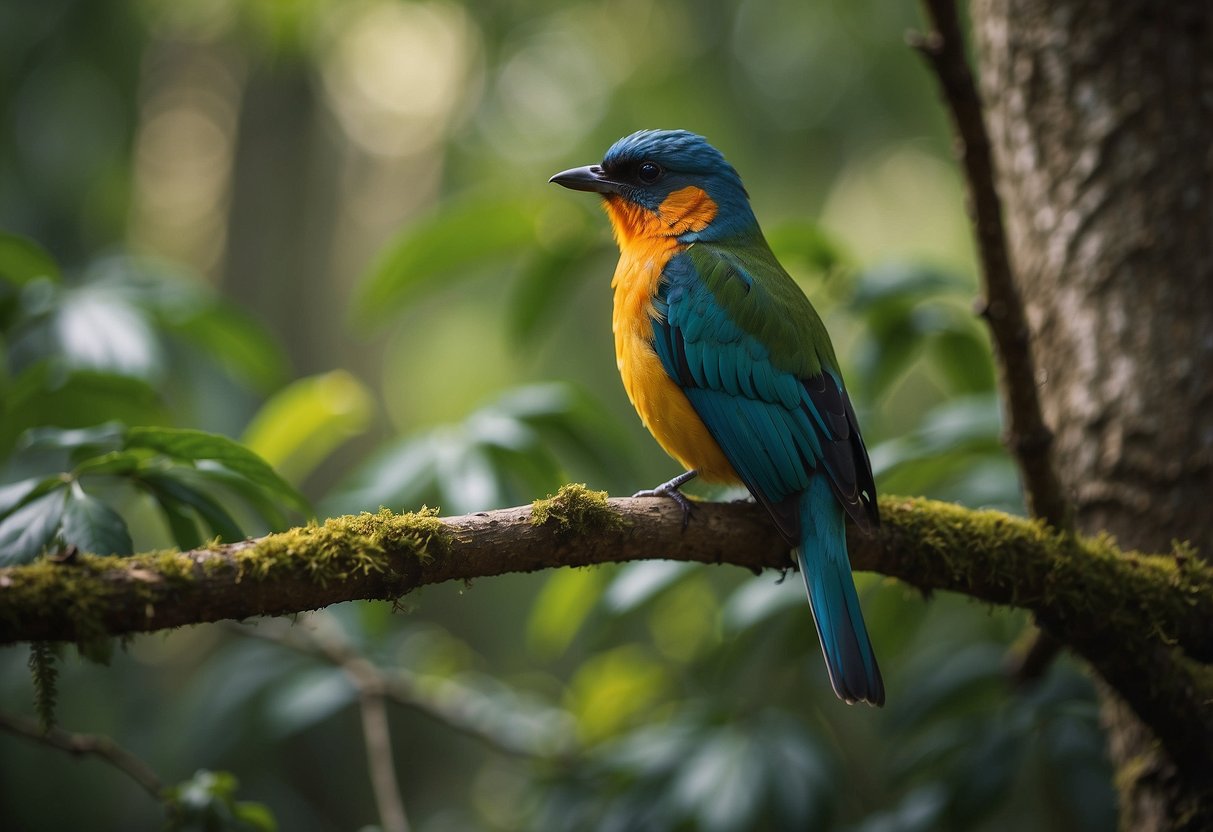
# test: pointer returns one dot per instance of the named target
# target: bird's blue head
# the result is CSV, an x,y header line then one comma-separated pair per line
x,y
670,183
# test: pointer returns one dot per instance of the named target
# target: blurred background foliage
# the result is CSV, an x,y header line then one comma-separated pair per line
x,y
322,229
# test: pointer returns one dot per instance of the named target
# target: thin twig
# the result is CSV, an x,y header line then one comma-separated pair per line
x,y
377,733
87,744
322,641
1028,438
448,704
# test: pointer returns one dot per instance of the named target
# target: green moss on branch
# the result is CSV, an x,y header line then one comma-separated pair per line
x,y
575,509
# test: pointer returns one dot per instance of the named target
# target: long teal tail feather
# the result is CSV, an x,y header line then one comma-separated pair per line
x,y
826,568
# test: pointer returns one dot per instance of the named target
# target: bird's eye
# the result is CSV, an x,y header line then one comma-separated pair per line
x,y
648,172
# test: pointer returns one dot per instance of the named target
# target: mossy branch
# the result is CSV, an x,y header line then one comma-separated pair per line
x,y
1145,622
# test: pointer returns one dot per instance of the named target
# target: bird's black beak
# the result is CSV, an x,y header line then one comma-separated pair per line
x,y
590,178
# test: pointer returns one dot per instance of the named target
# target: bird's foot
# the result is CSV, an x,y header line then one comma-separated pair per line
x,y
670,489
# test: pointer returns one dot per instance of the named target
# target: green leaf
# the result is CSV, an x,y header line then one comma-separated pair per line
x,y
475,230
254,817
807,242
721,783
190,446
23,260
177,516
636,583
182,305
110,433
307,420
395,475
209,509
758,599
240,345
465,475
562,605
897,282
308,697
99,328
47,395
546,282
25,532
114,463
206,803
965,357
15,493
92,526
261,502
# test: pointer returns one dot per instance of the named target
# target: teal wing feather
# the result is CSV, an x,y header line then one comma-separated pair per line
x,y
753,357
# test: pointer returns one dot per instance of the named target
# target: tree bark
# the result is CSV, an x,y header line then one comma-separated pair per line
x,y
1101,116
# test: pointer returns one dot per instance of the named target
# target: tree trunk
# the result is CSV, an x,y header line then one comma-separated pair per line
x,y
1101,116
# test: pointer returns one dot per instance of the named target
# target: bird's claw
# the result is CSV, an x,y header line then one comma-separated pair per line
x,y
671,489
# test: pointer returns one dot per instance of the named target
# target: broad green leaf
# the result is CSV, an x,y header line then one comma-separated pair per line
x,y
257,498
962,421
206,803
254,817
25,532
964,355
183,305
23,260
307,420
114,463
759,598
48,395
395,475
898,282
241,346
562,605
14,494
308,697
181,525
526,472
612,690
92,526
208,508
474,231
637,582
571,420
110,433
190,446
546,282
721,782
465,476
98,328
807,242
959,680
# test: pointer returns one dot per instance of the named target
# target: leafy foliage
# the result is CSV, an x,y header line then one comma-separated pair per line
x,y
178,468
507,451
650,696
79,355
207,803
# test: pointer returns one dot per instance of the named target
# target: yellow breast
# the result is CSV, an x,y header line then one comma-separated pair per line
x,y
647,241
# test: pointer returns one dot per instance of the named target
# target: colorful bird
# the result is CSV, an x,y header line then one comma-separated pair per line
x,y
732,370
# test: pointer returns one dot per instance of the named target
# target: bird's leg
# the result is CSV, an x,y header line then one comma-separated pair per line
x,y
670,489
